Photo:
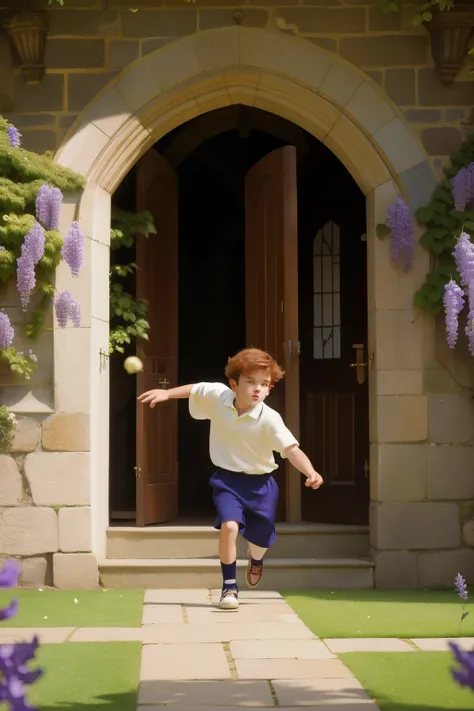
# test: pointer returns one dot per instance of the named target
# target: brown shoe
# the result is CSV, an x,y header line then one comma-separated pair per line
x,y
253,574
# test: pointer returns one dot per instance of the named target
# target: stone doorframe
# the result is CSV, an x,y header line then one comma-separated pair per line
x,y
334,101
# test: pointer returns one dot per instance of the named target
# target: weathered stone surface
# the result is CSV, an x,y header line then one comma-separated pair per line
x,y
468,533
58,479
150,45
67,121
11,487
32,120
422,115
75,53
39,141
439,569
212,18
321,20
66,432
74,529
412,526
451,418
122,53
442,140
398,472
384,51
433,92
400,86
419,183
375,76
48,95
456,115
29,530
162,23
75,571
450,472
33,572
95,24
27,435
379,20
402,418
83,87
327,43
396,570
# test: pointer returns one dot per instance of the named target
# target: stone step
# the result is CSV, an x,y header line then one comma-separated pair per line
x,y
305,540
280,573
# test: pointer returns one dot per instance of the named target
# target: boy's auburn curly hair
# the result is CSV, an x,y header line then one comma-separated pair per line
x,y
251,359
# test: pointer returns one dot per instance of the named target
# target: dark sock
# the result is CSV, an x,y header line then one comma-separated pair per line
x,y
256,562
229,574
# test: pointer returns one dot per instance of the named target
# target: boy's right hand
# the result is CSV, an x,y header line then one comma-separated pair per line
x,y
153,397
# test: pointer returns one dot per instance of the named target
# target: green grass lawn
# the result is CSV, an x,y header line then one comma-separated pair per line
x,y
81,676
382,613
409,681
94,608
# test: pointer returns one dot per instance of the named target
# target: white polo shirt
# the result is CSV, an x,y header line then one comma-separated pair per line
x,y
242,443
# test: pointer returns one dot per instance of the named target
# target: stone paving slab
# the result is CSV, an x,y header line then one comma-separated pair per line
x,y
183,661
46,635
252,595
224,632
331,706
254,613
159,613
291,669
178,597
107,634
345,692
280,649
339,646
441,644
254,694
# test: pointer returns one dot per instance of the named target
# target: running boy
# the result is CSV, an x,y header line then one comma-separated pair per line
x,y
243,436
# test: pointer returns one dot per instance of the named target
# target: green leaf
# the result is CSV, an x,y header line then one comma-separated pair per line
x,y
424,214
383,231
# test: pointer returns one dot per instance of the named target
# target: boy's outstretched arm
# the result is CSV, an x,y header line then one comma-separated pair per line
x,y
155,396
301,462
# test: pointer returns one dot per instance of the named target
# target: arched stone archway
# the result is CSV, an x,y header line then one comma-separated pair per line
x,y
322,93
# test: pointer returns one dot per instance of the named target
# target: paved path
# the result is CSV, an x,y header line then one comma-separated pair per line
x,y
196,656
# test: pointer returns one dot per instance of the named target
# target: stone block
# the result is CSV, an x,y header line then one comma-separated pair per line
x,y
324,20
66,432
398,340
122,53
162,23
439,569
33,572
413,526
151,45
422,115
83,87
400,86
468,533
433,92
402,418
399,145
27,435
210,19
398,472
74,529
75,53
58,479
69,23
39,141
29,530
399,382
441,141
11,486
450,418
327,43
396,570
419,183
450,472
32,120
48,95
384,50
383,21
75,571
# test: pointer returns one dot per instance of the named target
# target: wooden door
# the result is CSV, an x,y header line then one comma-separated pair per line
x,y
333,333
271,247
157,281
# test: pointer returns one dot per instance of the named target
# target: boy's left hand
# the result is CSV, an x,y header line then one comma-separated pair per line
x,y
314,480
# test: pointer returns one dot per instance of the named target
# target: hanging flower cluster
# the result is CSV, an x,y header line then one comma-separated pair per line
x,y
48,206
402,240
14,136
463,254
67,308
6,331
73,249
14,673
462,187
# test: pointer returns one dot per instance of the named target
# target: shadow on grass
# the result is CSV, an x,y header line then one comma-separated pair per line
x,y
107,702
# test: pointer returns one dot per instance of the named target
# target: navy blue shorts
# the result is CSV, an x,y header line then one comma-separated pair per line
x,y
251,500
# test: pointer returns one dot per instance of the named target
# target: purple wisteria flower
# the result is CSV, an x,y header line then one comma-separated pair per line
x,y
464,673
73,248
402,240
25,278
33,246
453,304
48,206
461,587
6,339
66,308
462,187
10,573
463,254
14,136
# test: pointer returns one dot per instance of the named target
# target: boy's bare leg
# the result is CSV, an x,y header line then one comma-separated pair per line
x,y
254,571
228,558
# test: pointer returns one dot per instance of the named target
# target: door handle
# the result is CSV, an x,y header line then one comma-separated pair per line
x,y
359,365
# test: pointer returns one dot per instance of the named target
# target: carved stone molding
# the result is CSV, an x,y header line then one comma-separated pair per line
x,y
450,33
28,33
